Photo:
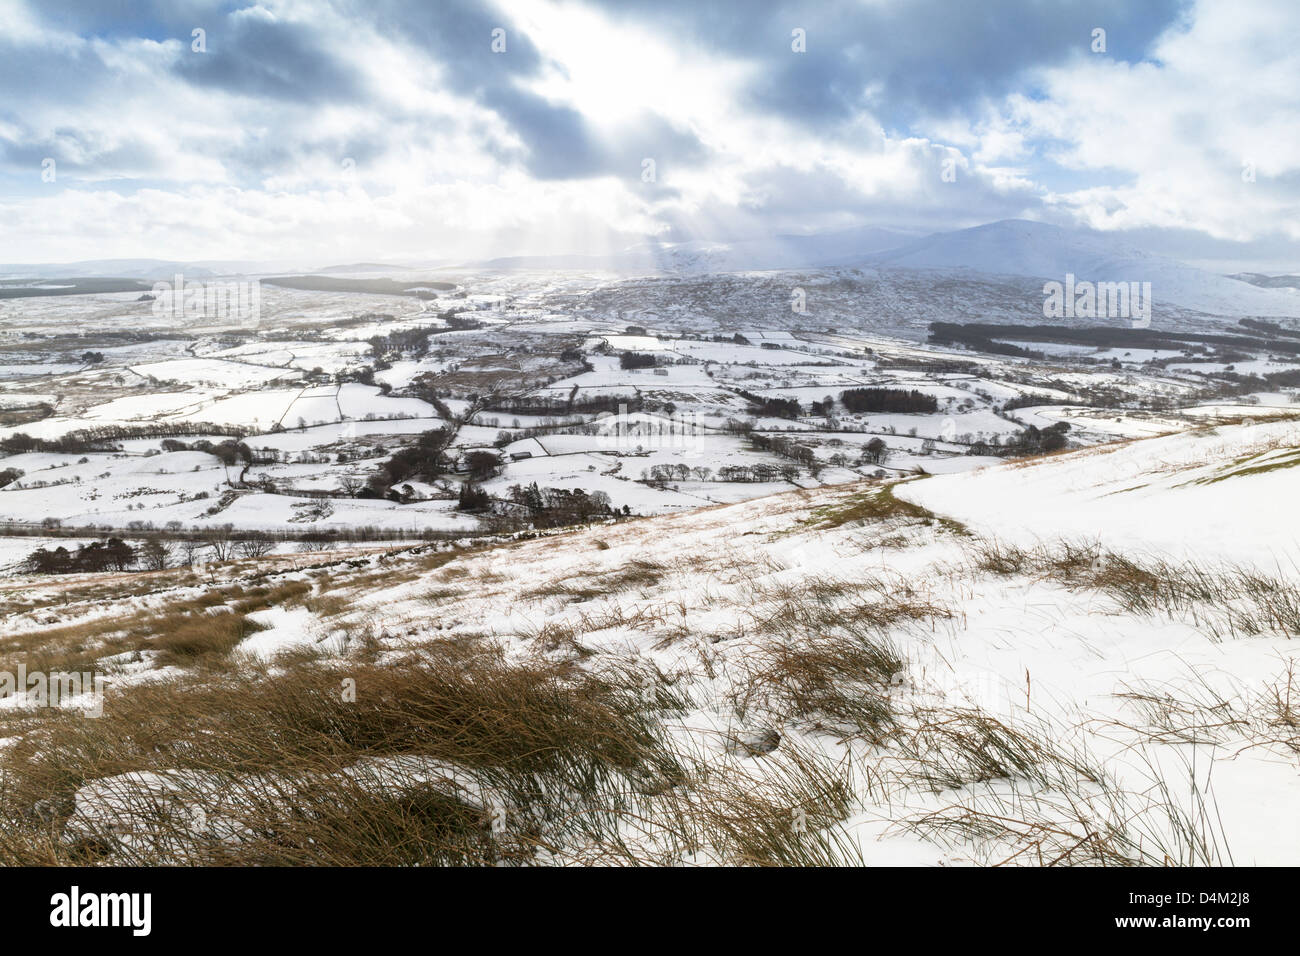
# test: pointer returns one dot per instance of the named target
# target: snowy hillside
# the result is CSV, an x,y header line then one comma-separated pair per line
x,y
1221,494
828,675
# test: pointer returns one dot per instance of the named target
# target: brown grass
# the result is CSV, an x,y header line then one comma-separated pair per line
x,y
284,767
879,505
835,684
189,631
1226,602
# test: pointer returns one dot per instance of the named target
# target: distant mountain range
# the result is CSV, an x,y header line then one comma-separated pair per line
x,y
165,269
158,269
1012,247
1022,248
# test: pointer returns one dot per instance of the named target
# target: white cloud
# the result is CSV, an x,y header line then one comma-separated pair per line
x,y
413,163
1220,93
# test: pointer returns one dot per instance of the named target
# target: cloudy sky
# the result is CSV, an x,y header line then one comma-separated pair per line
x,y
344,130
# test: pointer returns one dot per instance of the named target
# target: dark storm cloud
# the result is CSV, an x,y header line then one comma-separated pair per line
x,y
562,146
921,58
459,35
260,57
559,143
152,19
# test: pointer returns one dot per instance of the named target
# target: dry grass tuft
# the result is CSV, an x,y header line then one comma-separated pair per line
x,y
1226,602
276,768
836,683
879,505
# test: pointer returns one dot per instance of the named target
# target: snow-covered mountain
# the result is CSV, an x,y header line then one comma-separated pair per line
x,y
1020,247
1012,247
1267,281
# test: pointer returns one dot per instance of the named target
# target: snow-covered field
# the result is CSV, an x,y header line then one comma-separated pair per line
x,y
935,696
326,386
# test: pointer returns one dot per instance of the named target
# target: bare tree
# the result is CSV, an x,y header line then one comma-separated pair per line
x,y
256,547
190,551
222,542
156,554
